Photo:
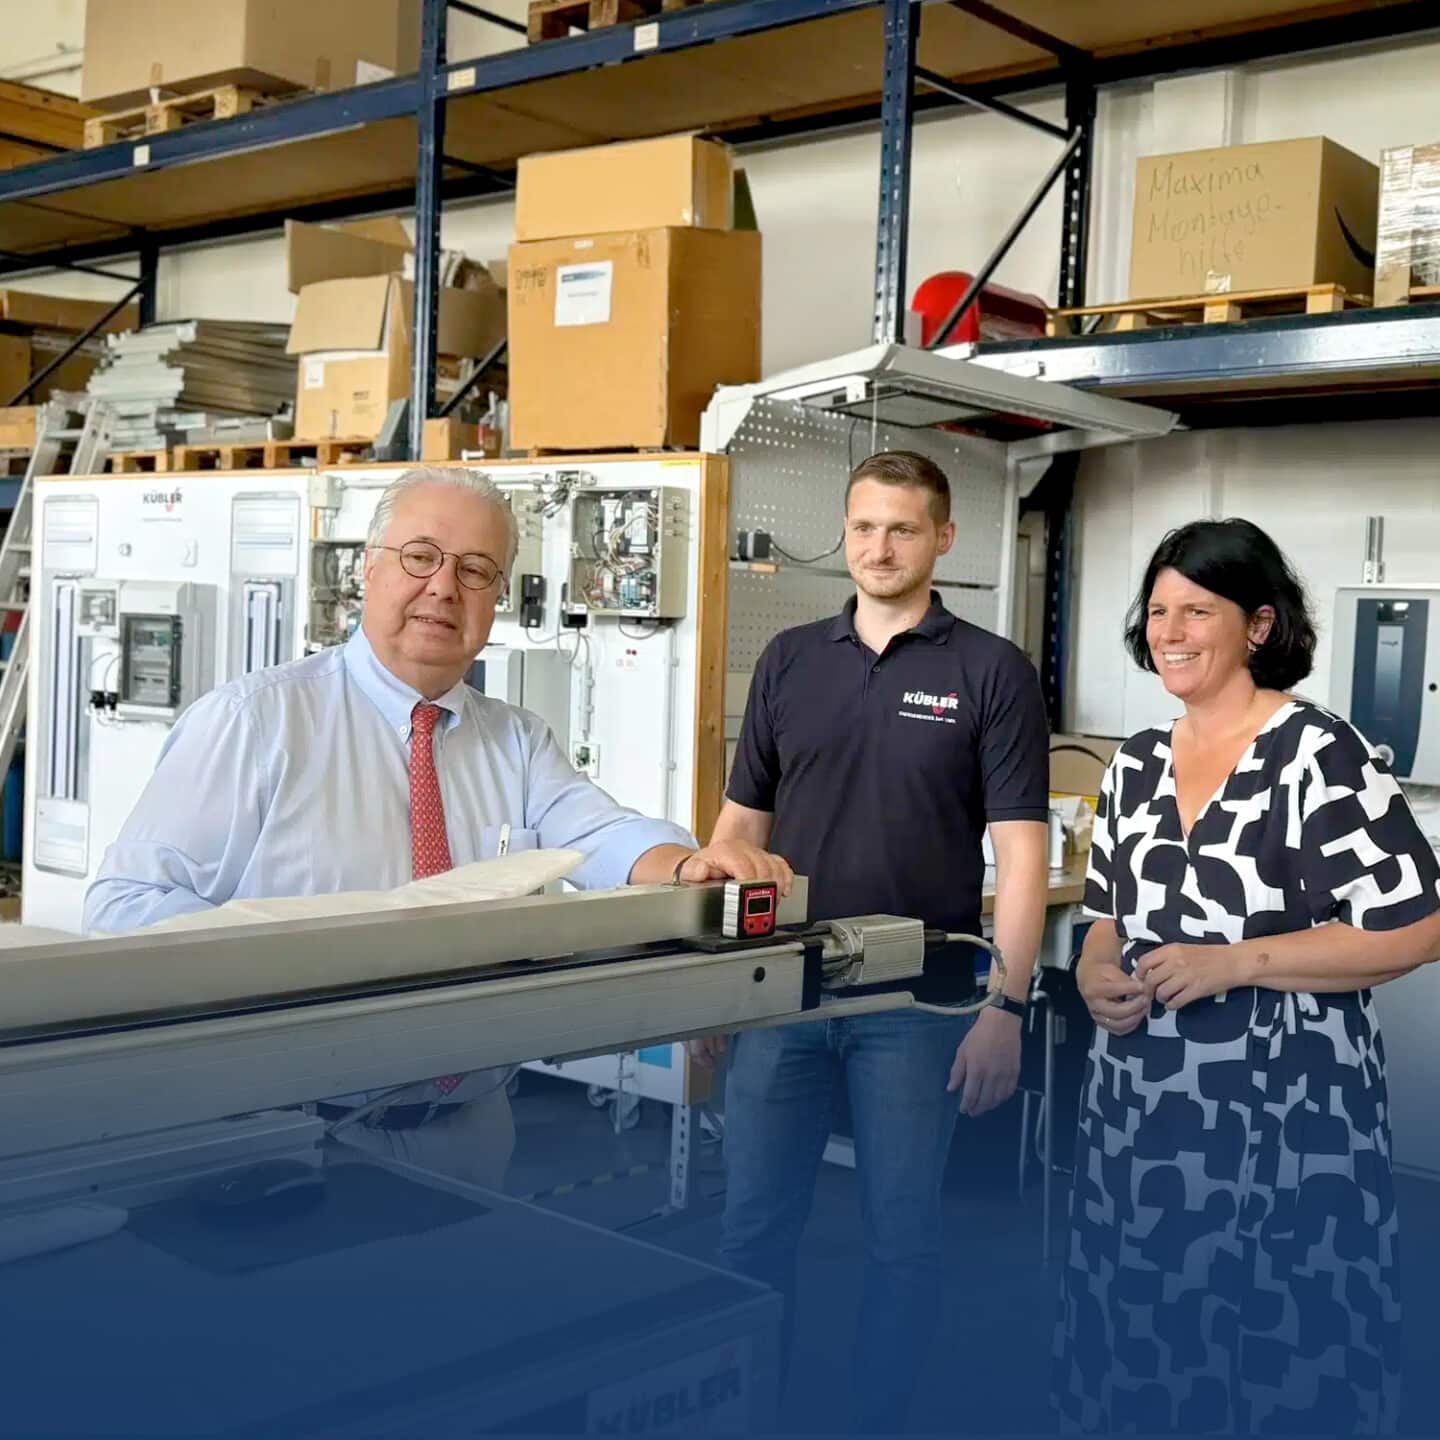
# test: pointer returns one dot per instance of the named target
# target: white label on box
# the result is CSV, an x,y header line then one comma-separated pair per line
x,y
367,72
647,37
582,293
314,374
703,1394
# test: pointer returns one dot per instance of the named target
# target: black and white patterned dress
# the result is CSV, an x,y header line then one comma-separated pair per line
x,y
1231,1265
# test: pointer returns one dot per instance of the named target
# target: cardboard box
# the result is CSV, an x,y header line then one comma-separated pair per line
x,y
445,438
619,340
1253,217
1407,252
1077,763
14,366
17,428
37,328
183,45
637,185
353,323
51,312
340,252
354,337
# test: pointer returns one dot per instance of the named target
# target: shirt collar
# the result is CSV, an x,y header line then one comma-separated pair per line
x,y
935,625
390,695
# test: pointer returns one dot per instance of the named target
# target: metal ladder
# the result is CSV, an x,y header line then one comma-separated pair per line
x,y
72,433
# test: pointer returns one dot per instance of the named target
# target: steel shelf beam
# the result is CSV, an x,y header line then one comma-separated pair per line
x,y
1357,347
616,44
295,120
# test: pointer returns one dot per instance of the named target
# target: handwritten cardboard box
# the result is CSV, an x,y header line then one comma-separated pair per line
x,y
1274,216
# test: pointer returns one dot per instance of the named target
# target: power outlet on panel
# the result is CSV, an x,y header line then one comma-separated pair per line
x,y
585,757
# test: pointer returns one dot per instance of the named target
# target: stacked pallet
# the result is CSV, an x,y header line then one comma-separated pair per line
x,y
554,19
165,381
36,124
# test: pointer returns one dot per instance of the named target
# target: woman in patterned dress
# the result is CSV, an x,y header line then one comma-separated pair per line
x,y
1255,871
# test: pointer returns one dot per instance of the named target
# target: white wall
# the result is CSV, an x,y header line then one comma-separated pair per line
x,y
40,42
1310,487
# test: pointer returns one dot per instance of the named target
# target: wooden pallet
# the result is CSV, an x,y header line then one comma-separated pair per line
x,y
1203,309
271,454
40,117
596,452
554,19
1419,295
223,102
137,462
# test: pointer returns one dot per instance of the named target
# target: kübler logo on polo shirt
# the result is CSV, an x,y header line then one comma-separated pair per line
x,y
921,705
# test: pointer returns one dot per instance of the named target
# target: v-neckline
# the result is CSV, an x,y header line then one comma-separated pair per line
x,y
1204,810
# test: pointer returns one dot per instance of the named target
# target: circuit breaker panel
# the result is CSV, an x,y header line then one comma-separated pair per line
x,y
630,550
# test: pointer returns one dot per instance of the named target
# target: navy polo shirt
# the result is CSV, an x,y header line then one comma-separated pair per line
x,y
882,771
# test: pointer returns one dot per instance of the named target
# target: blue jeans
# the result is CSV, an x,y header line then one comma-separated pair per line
x,y
779,1103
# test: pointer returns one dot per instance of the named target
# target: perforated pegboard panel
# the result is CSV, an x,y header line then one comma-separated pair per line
x,y
789,464
763,605
788,467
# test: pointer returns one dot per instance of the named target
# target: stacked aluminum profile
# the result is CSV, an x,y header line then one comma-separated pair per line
x,y
166,381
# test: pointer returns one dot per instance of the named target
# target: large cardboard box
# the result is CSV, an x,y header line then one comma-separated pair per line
x,y
354,339
1407,252
1253,217
35,329
635,185
341,252
185,45
14,366
620,339
354,319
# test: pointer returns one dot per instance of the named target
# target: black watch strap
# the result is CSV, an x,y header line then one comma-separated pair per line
x,y
1012,1006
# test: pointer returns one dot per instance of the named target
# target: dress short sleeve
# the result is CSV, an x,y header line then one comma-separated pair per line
x,y
1363,857
1099,875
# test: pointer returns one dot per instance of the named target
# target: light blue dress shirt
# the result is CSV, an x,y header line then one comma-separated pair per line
x,y
296,781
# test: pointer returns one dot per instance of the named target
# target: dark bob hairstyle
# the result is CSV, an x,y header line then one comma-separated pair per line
x,y
1239,561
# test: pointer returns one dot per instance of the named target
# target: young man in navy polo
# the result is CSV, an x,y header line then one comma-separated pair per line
x,y
876,748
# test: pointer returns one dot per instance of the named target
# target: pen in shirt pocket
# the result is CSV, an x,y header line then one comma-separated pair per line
x,y
503,848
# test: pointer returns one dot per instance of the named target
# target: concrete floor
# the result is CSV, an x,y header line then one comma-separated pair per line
x,y
989,1371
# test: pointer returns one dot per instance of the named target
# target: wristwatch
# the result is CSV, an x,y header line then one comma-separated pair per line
x,y
1012,1006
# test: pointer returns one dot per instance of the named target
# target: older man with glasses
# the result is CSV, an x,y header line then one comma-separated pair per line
x,y
372,764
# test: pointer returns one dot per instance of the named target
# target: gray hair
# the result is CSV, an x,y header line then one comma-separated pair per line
x,y
474,482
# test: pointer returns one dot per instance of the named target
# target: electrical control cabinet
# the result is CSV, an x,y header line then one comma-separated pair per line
x,y
527,506
1386,673
166,647
629,552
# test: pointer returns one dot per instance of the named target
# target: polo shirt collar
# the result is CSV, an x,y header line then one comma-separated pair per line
x,y
935,625
389,694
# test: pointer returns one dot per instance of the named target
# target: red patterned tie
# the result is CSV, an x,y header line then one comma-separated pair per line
x,y
429,845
